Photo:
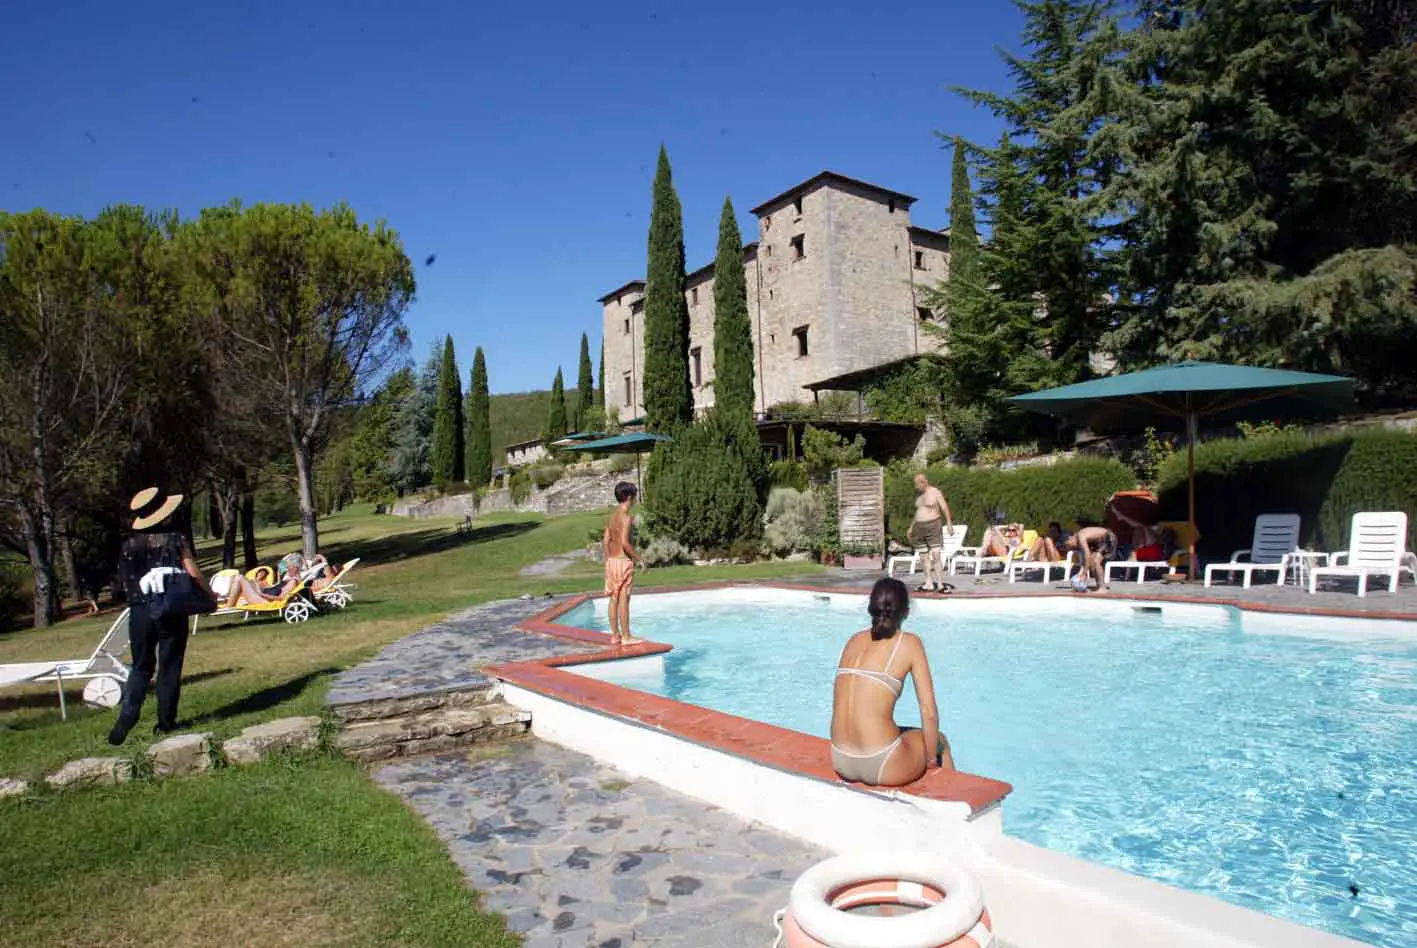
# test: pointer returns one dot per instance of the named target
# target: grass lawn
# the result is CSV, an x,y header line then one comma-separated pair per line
x,y
301,852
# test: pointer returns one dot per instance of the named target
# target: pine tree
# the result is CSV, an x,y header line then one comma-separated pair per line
x,y
556,411
600,392
479,424
732,329
585,387
448,422
669,400
964,235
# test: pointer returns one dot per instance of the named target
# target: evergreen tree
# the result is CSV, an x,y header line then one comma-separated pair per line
x,y
479,424
732,329
411,465
669,400
556,411
585,387
964,236
600,392
448,422
708,484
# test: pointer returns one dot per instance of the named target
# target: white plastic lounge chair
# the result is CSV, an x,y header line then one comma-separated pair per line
x,y
1276,536
971,557
1377,546
1141,566
948,548
1044,568
103,670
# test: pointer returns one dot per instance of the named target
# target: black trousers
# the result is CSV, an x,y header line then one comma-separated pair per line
x,y
161,643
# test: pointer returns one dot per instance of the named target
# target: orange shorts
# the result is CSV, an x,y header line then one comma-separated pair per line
x,y
619,575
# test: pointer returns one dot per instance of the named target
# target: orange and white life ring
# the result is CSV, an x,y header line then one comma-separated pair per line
x,y
950,905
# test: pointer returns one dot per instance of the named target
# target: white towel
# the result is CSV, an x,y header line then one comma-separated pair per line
x,y
154,581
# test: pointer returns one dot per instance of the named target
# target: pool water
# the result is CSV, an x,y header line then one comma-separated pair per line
x,y
1265,760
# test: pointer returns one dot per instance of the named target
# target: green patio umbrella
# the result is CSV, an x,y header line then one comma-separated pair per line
x,y
632,442
1186,392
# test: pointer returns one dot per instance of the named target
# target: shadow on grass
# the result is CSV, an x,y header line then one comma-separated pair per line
x,y
265,699
404,546
74,693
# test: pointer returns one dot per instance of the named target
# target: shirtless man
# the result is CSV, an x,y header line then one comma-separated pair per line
x,y
620,562
925,530
1095,545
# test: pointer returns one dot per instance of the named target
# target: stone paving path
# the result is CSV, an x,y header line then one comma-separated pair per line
x,y
447,656
577,856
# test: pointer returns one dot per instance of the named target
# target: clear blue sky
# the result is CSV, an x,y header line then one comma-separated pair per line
x,y
516,141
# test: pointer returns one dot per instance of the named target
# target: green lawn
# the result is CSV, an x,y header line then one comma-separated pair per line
x,y
295,852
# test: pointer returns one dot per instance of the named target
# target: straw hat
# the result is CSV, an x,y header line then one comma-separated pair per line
x,y
149,512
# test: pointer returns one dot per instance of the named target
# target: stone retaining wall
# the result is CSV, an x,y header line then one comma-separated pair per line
x,y
426,724
573,493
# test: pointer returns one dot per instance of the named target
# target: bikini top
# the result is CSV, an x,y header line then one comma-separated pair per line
x,y
882,677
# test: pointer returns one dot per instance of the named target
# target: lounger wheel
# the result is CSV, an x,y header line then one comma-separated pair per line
x,y
103,692
297,611
338,598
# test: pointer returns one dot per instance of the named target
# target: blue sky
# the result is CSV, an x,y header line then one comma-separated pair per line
x,y
516,141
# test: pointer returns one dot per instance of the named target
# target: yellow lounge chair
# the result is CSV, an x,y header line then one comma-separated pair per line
x,y
970,555
293,606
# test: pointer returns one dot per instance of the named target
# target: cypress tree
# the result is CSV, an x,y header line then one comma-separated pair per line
x,y
448,421
669,400
585,386
732,329
556,412
600,393
964,235
479,424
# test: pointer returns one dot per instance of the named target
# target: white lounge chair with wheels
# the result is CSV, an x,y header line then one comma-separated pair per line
x,y
1143,567
1276,536
103,671
1044,568
1377,546
951,544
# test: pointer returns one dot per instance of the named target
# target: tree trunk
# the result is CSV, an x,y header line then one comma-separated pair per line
x,y
305,478
66,559
227,498
213,513
248,530
42,566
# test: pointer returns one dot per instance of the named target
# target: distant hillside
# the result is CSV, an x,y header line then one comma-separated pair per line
x,y
518,416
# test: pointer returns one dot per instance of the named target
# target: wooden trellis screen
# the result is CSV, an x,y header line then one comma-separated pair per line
x,y
861,508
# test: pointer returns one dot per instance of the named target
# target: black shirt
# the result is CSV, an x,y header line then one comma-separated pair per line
x,y
142,552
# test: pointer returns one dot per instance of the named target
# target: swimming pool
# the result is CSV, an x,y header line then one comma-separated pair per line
x,y
1267,760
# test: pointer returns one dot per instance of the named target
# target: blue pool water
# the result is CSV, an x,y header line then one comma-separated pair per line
x,y
1272,767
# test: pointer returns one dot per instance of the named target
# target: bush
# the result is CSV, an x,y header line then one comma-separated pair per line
x,y
16,590
793,521
620,463
1070,492
1325,479
665,551
544,475
705,488
786,473
520,487
825,451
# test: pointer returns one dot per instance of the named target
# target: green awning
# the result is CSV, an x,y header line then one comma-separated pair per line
x,y
630,442
579,436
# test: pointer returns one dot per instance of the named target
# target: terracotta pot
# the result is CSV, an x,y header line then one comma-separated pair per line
x,y
871,561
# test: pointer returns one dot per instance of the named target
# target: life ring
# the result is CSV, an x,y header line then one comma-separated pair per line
x,y
951,904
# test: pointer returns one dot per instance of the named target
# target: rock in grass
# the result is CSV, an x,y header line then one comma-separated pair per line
x,y
92,770
257,741
13,787
181,755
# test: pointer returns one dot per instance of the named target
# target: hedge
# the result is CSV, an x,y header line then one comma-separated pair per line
x,y
1070,492
1325,479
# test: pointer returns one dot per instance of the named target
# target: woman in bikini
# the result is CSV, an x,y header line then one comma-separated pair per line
x,y
866,744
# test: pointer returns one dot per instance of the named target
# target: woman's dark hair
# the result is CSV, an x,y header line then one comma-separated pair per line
x,y
624,491
890,604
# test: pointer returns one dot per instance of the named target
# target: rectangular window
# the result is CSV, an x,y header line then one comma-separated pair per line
x,y
696,355
637,307
694,296
799,247
627,327
800,334
920,260
924,314
629,395
891,204
797,205
768,250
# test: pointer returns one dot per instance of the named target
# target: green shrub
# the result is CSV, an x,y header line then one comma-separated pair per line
x,y
998,454
665,551
1070,491
787,473
1325,479
829,539
792,522
544,475
520,487
825,451
16,590
620,463
705,488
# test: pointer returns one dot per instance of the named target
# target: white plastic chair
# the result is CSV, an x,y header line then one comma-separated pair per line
x,y
1141,566
1044,567
1377,546
103,670
1276,536
972,556
953,540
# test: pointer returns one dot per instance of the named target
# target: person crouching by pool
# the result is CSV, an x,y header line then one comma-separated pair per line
x,y
1095,546
620,562
866,744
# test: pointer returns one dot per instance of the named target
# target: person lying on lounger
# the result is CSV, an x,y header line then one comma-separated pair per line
x,y
243,589
1046,548
1001,540
296,565
866,744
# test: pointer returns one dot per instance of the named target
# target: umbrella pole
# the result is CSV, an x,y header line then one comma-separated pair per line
x,y
1192,424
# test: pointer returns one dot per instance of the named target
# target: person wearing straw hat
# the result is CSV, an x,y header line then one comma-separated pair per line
x,y
149,553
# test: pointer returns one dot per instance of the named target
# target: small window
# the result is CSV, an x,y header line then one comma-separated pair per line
x,y
696,355
768,250
800,334
694,296
637,307
628,393
799,247
767,223
772,338
891,204
924,314
769,294
920,260
797,205
627,327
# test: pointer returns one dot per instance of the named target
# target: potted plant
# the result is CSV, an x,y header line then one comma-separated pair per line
x,y
862,556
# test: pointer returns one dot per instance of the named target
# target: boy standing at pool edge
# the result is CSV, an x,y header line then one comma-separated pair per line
x,y
620,562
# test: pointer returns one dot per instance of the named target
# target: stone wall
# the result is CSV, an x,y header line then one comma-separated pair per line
x,y
573,493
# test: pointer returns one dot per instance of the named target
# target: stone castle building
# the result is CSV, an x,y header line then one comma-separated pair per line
x,y
834,287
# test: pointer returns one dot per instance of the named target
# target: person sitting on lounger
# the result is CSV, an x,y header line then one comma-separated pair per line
x,y
296,565
1001,540
243,589
1145,546
1046,548
866,744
